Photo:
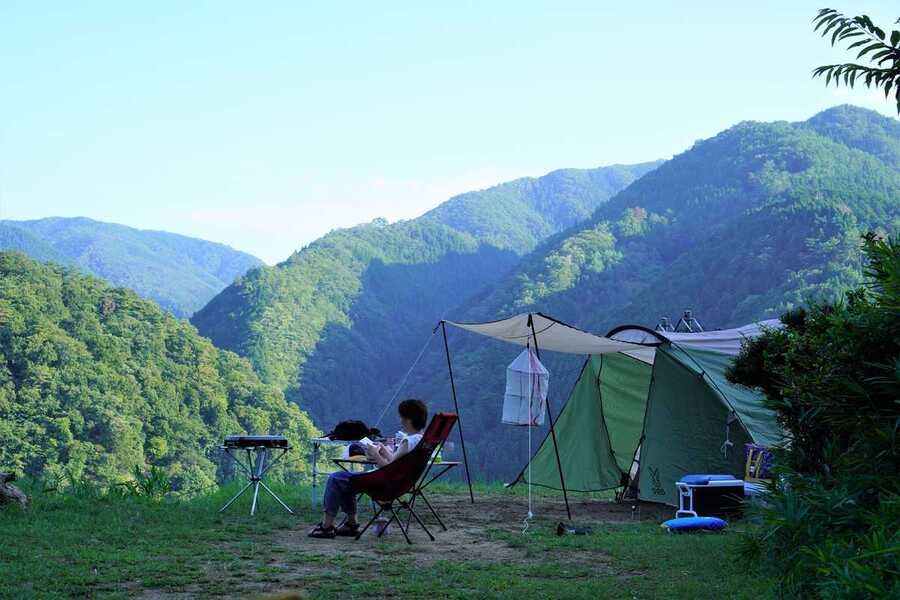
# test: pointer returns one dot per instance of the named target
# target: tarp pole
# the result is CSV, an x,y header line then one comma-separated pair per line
x,y
562,479
462,440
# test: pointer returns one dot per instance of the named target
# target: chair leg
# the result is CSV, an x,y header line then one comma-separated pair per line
x,y
433,512
411,502
400,525
369,524
418,520
393,518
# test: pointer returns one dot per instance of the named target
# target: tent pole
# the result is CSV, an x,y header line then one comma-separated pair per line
x,y
562,479
462,440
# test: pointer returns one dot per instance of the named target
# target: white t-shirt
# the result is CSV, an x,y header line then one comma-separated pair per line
x,y
406,444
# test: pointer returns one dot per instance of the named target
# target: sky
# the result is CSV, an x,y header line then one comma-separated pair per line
x,y
266,125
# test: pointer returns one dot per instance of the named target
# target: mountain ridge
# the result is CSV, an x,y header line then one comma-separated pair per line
x,y
179,272
276,316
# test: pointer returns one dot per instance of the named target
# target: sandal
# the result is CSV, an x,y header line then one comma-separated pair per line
x,y
323,533
347,530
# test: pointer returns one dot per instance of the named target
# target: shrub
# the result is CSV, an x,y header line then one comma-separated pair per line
x,y
831,528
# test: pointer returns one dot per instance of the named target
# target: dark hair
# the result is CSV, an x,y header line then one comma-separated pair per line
x,y
415,411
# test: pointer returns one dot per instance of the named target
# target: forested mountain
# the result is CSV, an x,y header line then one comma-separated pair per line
x,y
739,227
180,273
742,226
334,323
95,381
518,214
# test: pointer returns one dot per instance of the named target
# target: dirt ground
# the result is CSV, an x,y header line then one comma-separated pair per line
x,y
467,524
294,561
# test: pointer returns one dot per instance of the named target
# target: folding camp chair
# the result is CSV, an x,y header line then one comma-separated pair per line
x,y
388,485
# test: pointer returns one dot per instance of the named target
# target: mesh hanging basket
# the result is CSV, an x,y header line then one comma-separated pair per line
x,y
527,382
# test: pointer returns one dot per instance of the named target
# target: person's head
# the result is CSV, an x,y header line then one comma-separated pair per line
x,y
413,415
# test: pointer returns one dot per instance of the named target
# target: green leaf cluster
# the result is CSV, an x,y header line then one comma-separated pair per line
x,y
831,526
882,52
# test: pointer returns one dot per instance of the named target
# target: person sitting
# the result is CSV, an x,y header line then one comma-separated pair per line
x,y
338,490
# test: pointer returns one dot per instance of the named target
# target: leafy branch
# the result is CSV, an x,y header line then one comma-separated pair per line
x,y
882,53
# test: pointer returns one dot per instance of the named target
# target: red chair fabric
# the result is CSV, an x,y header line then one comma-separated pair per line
x,y
389,483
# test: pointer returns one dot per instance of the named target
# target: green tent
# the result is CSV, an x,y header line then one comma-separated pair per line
x,y
647,417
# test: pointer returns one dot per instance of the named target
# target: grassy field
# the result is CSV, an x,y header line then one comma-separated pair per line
x,y
81,544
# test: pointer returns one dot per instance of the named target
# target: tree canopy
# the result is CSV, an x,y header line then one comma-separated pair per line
x,y
95,381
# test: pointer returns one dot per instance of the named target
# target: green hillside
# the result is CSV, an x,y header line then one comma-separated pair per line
x,y
178,272
520,213
862,129
741,226
21,240
337,320
95,381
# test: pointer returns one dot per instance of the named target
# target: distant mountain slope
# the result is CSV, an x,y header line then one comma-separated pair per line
x,y
520,213
179,272
742,226
21,240
340,318
95,381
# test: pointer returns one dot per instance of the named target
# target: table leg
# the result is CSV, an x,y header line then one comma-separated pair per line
x,y
238,495
255,496
315,472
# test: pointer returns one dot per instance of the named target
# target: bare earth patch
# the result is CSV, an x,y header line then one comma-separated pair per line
x,y
292,561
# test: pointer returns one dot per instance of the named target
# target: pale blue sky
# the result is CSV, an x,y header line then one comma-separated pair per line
x,y
264,125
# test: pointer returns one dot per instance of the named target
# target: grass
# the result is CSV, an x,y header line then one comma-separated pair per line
x,y
85,544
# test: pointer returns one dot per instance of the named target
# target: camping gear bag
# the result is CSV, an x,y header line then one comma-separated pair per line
x,y
352,431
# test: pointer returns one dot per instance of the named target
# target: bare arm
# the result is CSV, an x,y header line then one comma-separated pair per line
x,y
379,454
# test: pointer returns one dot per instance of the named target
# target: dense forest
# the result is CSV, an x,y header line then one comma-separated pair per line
x,y
95,381
180,273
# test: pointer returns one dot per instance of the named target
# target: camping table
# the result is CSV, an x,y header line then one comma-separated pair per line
x,y
257,464
317,444
428,477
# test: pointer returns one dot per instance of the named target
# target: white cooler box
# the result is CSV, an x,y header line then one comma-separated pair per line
x,y
710,496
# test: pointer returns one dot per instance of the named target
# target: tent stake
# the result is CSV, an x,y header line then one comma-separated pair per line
x,y
562,479
462,440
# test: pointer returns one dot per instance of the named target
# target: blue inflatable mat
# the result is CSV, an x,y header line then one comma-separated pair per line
x,y
695,524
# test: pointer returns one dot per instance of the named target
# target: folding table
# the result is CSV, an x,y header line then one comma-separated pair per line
x,y
258,449
317,444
